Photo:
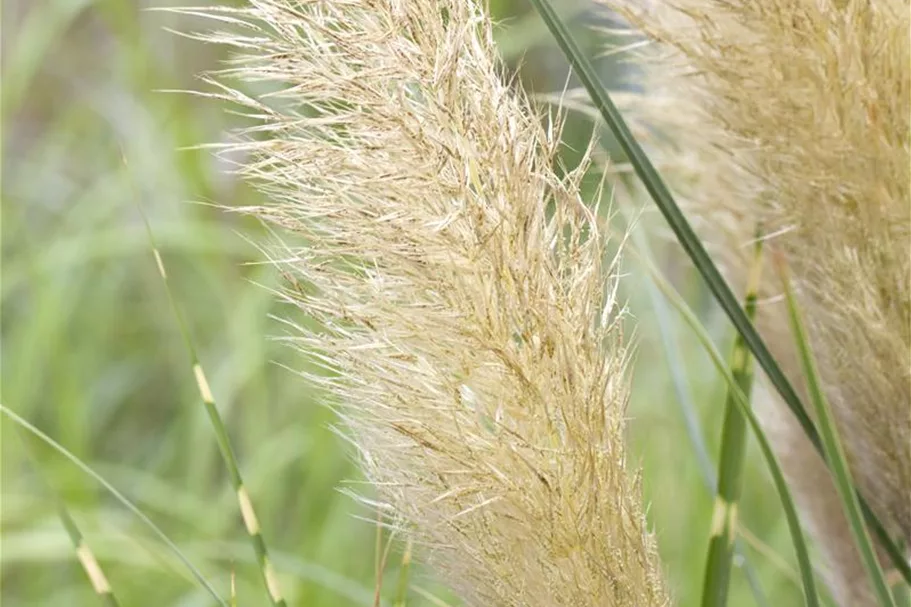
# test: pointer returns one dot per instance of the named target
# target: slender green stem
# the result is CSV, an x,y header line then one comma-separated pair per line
x,y
248,514
835,454
901,590
688,408
659,192
811,596
120,497
379,559
901,593
401,592
730,463
84,553
87,559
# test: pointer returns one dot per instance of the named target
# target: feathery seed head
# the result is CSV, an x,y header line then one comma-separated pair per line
x,y
459,291
794,115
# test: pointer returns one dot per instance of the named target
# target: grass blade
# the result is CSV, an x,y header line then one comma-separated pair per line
x,y
740,401
730,462
248,514
659,192
835,454
117,495
401,592
685,402
87,560
84,553
901,591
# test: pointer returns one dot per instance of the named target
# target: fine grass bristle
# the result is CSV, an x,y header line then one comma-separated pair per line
x,y
709,53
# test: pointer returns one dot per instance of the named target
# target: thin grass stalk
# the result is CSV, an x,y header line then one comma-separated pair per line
x,y
694,248
251,522
901,594
381,557
671,350
87,559
378,559
430,597
811,596
834,451
120,497
401,593
731,461
84,554
688,408
901,591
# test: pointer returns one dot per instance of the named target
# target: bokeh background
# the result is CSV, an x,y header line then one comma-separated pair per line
x,y
91,353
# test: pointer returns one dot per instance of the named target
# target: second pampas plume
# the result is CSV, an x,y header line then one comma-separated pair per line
x,y
793,116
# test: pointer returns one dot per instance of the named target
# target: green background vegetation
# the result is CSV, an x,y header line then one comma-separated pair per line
x,y
91,353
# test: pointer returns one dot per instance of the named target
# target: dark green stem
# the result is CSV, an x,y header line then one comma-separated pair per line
x,y
730,463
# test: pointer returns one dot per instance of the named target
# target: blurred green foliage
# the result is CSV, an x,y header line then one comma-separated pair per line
x,y
91,352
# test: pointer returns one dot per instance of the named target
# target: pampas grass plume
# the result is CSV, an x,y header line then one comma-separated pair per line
x,y
464,320
794,115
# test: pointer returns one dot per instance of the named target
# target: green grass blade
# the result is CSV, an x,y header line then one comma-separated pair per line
x,y
898,558
834,451
659,192
687,407
87,560
740,401
248,514
85,468
34,39
730,462
84,554
671,350
430,597
901,591
401,593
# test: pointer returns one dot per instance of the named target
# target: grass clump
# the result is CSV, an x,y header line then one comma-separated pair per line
x,y
449,287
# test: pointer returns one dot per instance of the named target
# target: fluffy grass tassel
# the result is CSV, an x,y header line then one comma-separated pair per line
x,y
460,314
795,114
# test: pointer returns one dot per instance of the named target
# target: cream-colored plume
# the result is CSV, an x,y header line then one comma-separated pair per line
x,y
464,320
794,115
